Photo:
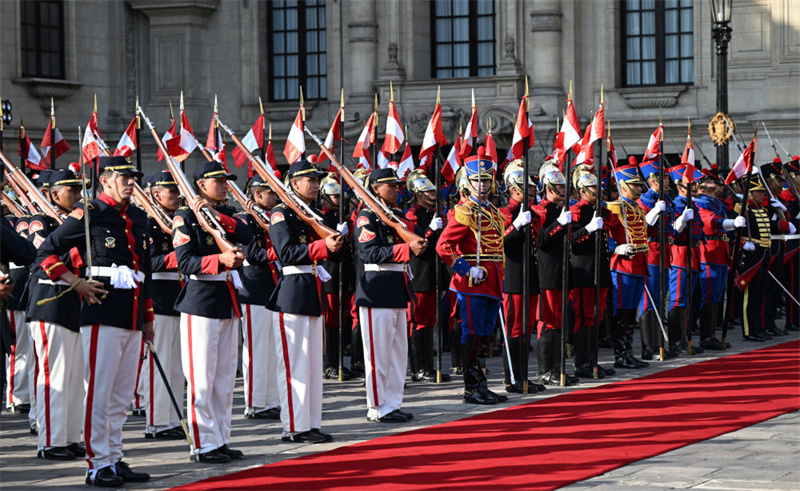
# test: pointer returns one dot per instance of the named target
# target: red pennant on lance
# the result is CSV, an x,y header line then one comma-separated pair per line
x,y
333,134
612,152
744,165
452,163
587,149
60,145
468,142
559,151
270,153
688,152
652,146
296,143
184,144
394,131
520,142
28,151
598,125
92,125
253,140
362,145
214,144
383,159
690,173
169,135
433,134
490,149
406,163
89,146
571,129
127,142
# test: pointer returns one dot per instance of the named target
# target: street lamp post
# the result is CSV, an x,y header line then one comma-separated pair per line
x,y
721,31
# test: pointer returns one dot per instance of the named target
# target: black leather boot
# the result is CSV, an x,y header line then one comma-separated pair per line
x,y
675,329
456,353
582,347
545,358
357,354
414,356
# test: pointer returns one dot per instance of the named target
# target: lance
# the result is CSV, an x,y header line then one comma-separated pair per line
x,y
52,123
85,212
375,127
95,163
662,231
438,264
784,288
138,136
524,346
342,219
784,172
598,242
565,270
263,130
689,252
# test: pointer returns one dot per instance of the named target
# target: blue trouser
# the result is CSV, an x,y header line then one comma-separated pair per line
x,y
654,287
478,315
678,286
712,283
628,290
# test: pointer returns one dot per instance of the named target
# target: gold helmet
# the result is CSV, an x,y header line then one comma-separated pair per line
x,y
328,185
461,179
583,178
513,176
361,175
417,182
549,175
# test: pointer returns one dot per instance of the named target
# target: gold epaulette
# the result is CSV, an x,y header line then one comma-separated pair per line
x,y
615,207
464,214
737,208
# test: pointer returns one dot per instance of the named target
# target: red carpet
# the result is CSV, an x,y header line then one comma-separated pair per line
x,y
556,441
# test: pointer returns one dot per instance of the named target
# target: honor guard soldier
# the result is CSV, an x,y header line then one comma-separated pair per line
x,y
299,307
472,244
116,310
162,420
55,325
553,218
792,257
422,314
209,307
651,337
516,216
330,193
629,227
586,222
685,220
382,294
259,365
714,257
356,351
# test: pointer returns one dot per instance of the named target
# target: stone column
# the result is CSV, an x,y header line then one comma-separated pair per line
x,y
362,51
547,84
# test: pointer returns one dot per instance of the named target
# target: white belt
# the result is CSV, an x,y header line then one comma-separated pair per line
x,y
234,277
166,275
785,237
393,267
14,266
122,277
48,282
306,269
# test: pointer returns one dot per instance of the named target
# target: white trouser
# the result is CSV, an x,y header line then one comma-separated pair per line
x,y
110,357
20,365
298,345
259,368
139,395
60,390
208,355
385,358
161,413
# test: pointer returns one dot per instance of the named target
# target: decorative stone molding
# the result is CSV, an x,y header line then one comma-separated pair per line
x,y
47,88
546,20
195,11
652,97
363,32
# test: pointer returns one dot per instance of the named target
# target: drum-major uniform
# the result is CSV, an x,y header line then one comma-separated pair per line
x,y
210,313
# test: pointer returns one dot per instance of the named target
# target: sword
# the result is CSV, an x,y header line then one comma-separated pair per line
x,y
784,288
658,316
508,352
175,404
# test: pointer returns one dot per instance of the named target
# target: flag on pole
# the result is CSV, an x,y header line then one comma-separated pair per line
x,y
270,154
468,142
490,149
612,152
571,129
453,162
394,131
127,142
333,134
253,140
587,149
169,135
406,163
522,129
383,159
92,124
652,146
744,164
688,152
598,126
214,144
433,134
296,143
364,140
59,147
184,144
27,150
89,146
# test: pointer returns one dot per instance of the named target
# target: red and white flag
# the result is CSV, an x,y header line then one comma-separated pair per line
x,y
383,159
587,149
598,126
253,140
406,163
27,150
364,141
60,144
89,146
571,129
652,146
433,134
394,131
182,146
214,144
333,134
490,149
744,164
296,143
453,162
559,151
522,130
270,154
468,142
688,152
169,135
127,142
612,153
92,125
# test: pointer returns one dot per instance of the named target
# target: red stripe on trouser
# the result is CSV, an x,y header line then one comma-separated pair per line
x,y
234,300
87,419
46,365
288,368
469,315
150,399
249,401
195,426
136,397
12,357
708,285
678,289
372,373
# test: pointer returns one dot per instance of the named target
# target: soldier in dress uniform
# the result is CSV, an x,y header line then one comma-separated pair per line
x,y
356,350
553,218
792,258
330,193
259,365
629,227
299,306
714,257
472,244
55,326
422,314
516,216
210,311
116,311
586,222
162,420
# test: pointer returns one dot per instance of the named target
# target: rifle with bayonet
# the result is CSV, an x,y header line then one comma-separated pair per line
x,y
24,187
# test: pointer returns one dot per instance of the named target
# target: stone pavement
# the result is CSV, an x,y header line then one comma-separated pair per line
x,y
761,457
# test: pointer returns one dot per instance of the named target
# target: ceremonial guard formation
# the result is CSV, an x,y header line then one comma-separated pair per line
x,y
117,286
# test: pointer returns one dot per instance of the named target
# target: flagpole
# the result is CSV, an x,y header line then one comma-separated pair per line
x,y
342,219
96,162
662,237
524,346
690,291
138,130
438,266
52,152
375,125
565,269
303,117
598,244
263,134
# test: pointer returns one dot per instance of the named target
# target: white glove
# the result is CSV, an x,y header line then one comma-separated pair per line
x,y
740,222
624,250
728,224
522,219
594,224
342,228
738,196
436,224
477,274
564,217
777,204
792,228
749,246
682,220
652,216
323,274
